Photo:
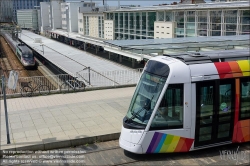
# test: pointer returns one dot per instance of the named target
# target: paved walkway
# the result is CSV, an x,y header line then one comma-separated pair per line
x,y
59,120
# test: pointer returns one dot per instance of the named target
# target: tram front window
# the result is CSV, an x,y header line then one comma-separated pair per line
x,y
145,97
147,92
28,55
170,112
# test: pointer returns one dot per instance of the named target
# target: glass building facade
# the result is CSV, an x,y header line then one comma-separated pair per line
x,y
139,24
100,27
133,25
86,25
25,4
6,10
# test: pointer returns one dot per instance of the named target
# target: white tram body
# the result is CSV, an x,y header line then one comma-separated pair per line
x,y
23,53
188,102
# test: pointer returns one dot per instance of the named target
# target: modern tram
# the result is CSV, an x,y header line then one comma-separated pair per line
x,y
23,53
189,101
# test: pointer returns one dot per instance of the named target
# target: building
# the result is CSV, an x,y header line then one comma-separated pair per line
x,y
51,15
55,14
70,15
210,19
28,19
62,14
91,21
45,9
6,8
165,21
25,4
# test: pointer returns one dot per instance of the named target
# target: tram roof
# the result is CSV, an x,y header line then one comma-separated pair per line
x,y
211,56
24,49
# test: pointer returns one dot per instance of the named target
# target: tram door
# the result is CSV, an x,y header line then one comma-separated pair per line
x,y
214,112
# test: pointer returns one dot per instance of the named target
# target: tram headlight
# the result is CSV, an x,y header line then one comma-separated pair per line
x,y
25,62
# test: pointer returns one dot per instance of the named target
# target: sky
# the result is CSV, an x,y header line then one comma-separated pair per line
x,y
137,2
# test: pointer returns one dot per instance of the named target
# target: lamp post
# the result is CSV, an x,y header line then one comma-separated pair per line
x,y
5,108
42,48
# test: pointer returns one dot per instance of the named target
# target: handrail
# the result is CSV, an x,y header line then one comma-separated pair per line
x,y
82,77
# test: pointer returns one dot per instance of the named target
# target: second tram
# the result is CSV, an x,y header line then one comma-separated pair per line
x,y
23,52
188,102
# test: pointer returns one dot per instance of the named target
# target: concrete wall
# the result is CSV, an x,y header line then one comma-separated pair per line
x,y
45,19
73,15
70,15
109,29
56,15
63,12
164,29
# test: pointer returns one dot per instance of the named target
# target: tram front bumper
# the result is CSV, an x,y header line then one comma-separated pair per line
x,y
131,147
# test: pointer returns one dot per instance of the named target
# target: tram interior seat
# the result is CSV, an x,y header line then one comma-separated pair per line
x,y
166,121
165,116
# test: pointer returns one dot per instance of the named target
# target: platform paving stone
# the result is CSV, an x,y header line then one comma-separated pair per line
x,y
39,121
28,123
72,116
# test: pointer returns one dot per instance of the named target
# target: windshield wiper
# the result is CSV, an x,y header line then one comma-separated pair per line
x,y
146,107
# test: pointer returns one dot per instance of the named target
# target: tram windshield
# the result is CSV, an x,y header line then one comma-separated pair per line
x,y
147,92
28,55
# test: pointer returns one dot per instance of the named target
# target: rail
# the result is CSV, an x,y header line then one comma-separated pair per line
x,y
98,80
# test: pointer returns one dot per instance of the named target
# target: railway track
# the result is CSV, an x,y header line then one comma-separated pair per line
x,y
109,153
9,61
6,64
3,67
33,73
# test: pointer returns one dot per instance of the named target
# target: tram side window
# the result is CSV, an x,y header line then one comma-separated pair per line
x,y
170,112
19,53
245,99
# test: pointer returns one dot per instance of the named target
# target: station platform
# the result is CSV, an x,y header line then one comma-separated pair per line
x,y
91,69
64,120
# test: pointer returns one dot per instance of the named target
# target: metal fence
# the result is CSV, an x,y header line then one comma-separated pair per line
x,y
64,82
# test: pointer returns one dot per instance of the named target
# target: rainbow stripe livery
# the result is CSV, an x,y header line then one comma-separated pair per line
x,y
162,143
233,69
188,121
241,131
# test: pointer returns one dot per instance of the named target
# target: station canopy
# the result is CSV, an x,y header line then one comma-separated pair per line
x,y
161,46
